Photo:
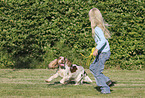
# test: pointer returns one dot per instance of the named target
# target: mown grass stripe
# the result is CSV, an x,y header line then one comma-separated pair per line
x,y
30,83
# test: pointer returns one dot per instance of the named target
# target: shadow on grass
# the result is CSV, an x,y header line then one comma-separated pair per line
x,y
98,88
55,83
70,83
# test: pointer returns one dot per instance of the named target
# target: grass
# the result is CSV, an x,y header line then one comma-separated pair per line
x,y
22,83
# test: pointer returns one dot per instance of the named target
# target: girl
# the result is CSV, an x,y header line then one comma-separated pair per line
x,y
102,50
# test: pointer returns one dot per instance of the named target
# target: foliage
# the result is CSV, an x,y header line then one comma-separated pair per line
x,y
35,32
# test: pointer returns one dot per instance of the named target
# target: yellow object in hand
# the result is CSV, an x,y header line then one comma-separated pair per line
x,y
89,57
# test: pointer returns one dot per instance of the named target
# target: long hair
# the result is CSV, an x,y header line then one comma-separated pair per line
x,y
96,19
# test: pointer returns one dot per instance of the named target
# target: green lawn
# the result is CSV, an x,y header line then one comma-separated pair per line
x,y
30,83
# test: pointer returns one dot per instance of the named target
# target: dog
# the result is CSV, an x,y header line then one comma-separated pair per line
x,y
62,69
68,72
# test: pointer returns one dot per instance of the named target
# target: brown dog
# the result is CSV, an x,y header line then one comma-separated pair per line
x,y
68,71
62,69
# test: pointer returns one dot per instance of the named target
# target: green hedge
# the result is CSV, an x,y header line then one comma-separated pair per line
x,y
33,33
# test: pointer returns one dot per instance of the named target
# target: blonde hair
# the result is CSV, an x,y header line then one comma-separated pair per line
x,y
96,19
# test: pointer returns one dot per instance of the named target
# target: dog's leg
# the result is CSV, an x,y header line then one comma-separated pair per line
x,y
64,79
52,77
87,79
79,79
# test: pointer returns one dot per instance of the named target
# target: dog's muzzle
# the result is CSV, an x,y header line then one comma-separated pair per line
x,y
61,65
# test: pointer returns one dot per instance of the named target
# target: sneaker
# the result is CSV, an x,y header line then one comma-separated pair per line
x,y
111,83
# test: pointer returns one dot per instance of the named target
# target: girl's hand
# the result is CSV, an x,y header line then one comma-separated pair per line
x,y
95,53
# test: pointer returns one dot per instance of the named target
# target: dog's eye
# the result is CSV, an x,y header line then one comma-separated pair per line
x,y
59,58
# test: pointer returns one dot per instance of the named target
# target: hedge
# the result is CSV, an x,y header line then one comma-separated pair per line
x,y
33,33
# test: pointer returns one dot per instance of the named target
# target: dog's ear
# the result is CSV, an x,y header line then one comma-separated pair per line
x,y
53,64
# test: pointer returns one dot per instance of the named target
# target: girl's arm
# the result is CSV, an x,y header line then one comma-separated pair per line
x,y
101,38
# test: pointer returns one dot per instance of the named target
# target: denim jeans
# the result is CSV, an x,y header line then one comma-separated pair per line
x,y
97,68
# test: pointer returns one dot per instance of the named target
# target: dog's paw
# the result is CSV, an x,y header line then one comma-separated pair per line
x,y
47,81
76,84
62,82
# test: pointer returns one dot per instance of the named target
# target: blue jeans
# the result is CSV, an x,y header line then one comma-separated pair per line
x,y
97,68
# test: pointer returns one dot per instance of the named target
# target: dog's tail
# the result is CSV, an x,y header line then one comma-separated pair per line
x,y
86,78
